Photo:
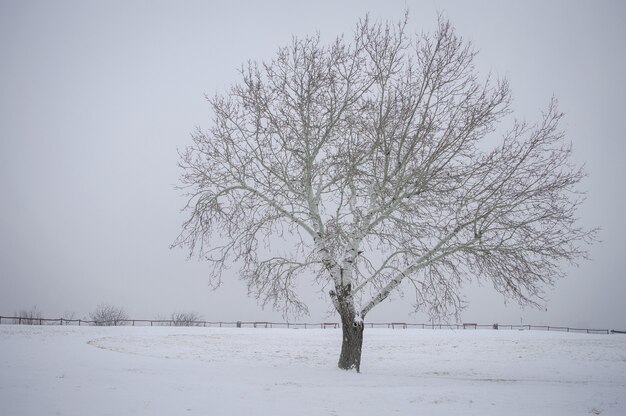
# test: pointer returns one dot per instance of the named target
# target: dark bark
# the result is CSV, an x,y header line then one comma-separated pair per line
x,y
352,329
351,344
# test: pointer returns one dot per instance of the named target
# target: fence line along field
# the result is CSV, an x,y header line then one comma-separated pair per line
x,y
16,320
169,370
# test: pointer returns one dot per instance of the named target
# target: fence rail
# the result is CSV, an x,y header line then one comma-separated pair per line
x,y
16,320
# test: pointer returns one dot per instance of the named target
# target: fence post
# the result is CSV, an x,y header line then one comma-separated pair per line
x,y
79,322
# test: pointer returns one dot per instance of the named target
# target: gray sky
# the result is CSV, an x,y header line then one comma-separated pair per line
x,y
96,97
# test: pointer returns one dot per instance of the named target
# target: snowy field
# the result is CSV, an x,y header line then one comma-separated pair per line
x,y
53,370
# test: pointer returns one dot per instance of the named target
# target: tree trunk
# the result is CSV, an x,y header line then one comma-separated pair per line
x,y
351,344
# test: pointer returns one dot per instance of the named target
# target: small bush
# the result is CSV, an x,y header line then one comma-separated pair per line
x,y
108,315
160,320
69,316
186,319
30,317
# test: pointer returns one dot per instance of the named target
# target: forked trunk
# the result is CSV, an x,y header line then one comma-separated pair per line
x,y
351,344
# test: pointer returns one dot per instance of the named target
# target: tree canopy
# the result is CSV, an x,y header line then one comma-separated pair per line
x,y
381,160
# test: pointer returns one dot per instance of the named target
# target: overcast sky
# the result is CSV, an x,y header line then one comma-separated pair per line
x,y
96,98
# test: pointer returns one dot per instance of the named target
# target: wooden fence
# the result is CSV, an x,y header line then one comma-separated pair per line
x,y
15,320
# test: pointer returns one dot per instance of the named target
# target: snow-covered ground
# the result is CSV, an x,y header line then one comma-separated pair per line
x,y
53,370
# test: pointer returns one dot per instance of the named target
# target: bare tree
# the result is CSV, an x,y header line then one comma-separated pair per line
x,y
186,319
108,315
377,160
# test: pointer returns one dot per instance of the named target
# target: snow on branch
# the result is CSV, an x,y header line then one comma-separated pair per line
x,y
368,159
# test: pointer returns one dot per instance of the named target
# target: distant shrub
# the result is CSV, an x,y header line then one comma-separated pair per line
x,y
186,319
69,316
160,320
108,315
29,317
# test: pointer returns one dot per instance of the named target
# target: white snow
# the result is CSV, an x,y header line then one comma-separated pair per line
x,y
54,370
